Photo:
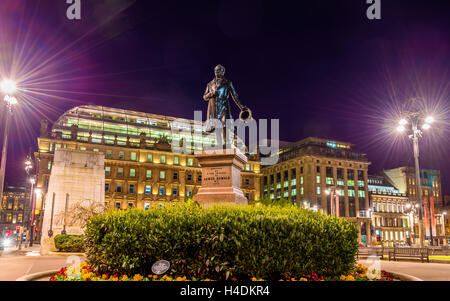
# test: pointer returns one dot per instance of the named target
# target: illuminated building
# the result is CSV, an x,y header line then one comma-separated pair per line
x,y
308,168
392,217
13,210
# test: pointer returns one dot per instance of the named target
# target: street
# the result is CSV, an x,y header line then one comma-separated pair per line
x,y
424,271
15,264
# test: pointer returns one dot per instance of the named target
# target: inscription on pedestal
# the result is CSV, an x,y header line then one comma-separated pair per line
x,y
216,176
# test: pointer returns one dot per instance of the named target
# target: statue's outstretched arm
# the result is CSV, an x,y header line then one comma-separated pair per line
x,y
235,97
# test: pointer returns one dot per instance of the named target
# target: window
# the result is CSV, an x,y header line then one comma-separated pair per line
x,y
175,175
318,189
317,168
247,167
106,187
107,170
121,155
148,189
58,146
49,165
360,183
132,172
161,190
120,171
108,154
149,157
133,156
199,178
351,183
175,191
162,174
95,150
148,174
247,181
163,159
119,187
146,206
176,160
351,193
189,177
118,205
361,193
301,179
131,188
189,192
329,181
190,162
130,205
20,218
302,191
318,179
293,192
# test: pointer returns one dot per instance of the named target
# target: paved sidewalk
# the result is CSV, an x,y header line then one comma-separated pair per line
x,y
15,264
424,271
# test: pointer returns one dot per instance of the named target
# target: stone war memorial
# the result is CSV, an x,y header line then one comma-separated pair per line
x,y
76,176
222,166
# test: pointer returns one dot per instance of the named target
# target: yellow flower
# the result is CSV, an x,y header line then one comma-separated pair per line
x,y
105,276
303,279
350,278
115,279
137,277
343,277
253,278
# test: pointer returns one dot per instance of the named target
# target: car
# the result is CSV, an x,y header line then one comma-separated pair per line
x,y
5,242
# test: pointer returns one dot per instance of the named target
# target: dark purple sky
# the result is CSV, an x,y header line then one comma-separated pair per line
x,y
321,67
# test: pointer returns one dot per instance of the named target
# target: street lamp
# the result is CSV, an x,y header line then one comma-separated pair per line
x,y
415,118
8,87
443,227
28,168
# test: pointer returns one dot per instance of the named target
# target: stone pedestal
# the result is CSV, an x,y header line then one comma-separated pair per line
x,y
221,177
81,175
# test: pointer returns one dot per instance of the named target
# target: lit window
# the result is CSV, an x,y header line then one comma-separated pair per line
x,y
189,192
163,159
176,160
120,171
318,179
329,181
121,155
161,190
108,154
318,189
162,174
149,157
146,206
302,191
49,165
133,156
301,180
82,148
148,173
132,172
190,162
107,170
148,189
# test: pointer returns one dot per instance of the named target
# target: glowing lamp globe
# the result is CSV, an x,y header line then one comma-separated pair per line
x,y
8,86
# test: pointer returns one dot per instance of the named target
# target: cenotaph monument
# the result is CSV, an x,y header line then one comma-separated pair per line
x,y
221,167
76,176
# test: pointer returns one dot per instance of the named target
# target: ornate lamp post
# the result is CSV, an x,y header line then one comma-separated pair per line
x,y
8,87
414,117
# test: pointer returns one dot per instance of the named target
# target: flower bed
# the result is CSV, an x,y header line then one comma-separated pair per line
x,y
86,273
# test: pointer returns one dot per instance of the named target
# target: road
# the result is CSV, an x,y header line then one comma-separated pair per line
x,y
15,264
424,271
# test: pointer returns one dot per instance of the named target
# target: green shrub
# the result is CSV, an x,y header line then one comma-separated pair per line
x,y
69,243
220,242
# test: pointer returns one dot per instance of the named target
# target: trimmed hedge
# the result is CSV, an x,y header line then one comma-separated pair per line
x,y
69,243
222,241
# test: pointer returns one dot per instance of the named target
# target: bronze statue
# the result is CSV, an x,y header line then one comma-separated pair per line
x,y
217,92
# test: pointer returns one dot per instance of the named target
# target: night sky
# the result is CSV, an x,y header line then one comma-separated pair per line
x,y
321,67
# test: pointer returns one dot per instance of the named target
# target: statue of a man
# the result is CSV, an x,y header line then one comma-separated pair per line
x,y
217,92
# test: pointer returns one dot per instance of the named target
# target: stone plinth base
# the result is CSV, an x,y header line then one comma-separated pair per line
x,y
221,177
